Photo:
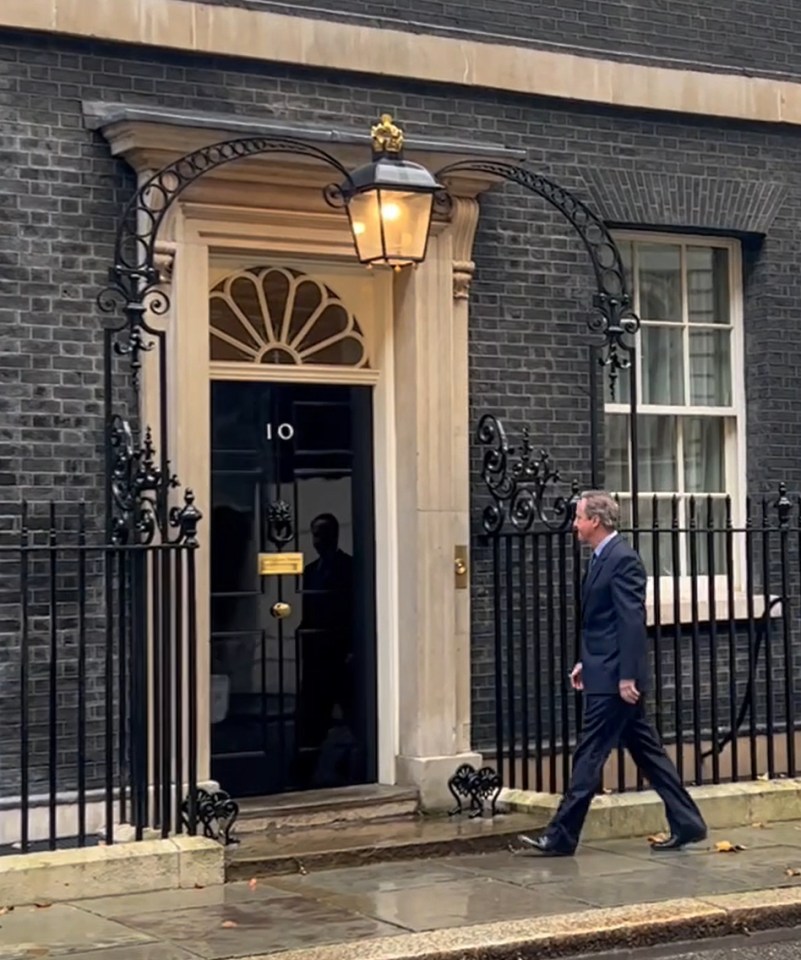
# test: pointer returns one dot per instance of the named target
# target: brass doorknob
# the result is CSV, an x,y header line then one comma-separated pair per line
x,y
280,610
460,567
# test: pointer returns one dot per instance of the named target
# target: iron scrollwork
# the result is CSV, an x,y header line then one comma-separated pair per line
x,y
482,788
217,814
519,482
139,490
614,318
135,278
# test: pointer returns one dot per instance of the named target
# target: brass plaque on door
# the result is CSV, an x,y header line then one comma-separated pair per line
x,y
277,564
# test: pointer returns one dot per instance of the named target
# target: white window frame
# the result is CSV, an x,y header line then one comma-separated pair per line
x,y
735,440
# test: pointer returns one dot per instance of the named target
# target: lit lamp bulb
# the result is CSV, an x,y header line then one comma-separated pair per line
x,y
390,212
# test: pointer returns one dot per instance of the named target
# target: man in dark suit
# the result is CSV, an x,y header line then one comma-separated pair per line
x,y
613,674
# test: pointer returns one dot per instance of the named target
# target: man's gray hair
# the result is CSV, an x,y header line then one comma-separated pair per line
x,y
600,505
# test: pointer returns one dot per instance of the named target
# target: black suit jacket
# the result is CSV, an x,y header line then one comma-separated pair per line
x,y
614,639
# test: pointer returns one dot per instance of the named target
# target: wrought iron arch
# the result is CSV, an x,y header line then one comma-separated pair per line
x,y
612,299
613,319
139,481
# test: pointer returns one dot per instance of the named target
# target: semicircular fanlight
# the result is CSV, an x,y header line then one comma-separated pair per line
x,y
279,316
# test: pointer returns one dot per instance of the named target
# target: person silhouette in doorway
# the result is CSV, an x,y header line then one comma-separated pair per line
x,y
326,694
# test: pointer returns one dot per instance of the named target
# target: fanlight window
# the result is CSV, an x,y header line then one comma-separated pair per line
x,y
276,315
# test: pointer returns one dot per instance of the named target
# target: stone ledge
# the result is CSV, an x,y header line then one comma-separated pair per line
x,y
123,868
620,816
217,30
586,932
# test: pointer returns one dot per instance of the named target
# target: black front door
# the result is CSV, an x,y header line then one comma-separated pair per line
x,y
293,685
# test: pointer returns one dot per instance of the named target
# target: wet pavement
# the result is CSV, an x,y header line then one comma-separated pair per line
x,y
339,906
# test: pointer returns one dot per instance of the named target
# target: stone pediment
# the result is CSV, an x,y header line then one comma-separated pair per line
x,y
148,140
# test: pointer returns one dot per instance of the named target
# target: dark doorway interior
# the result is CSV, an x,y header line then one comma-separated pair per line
x,y
293,687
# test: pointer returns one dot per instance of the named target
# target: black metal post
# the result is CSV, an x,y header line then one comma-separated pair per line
x,y
82,674
24,679
52,739
595,426
784,510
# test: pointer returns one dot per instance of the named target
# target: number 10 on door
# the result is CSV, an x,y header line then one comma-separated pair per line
x,y
284,431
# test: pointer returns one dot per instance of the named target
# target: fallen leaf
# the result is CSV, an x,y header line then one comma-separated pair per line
x,y
4,910
793,872
724,846
252,883
760,826
763,776
607,791
229,924
199,886
43,905
657,838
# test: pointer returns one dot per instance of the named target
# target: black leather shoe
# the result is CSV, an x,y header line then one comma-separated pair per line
x,y
677,840
543,845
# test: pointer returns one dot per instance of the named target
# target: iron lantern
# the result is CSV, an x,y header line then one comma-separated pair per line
x,y
390,202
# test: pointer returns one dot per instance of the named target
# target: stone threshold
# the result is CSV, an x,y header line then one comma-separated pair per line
x,y
355,844
583,933
319,808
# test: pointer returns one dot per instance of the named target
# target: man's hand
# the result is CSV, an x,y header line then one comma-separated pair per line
x,y
575,677
628,691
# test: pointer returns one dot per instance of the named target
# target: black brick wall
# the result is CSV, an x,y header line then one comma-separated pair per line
x,y
62,194
758,35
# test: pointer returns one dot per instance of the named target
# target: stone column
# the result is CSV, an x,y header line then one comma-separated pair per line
x,y
433,505
464,221
184,271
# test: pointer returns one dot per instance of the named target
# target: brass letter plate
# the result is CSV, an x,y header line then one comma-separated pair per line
x,y
276,564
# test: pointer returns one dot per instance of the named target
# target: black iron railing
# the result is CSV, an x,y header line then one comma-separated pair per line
x,y
100,642
724,596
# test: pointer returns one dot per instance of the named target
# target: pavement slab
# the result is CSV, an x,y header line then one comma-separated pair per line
x,y
144,951
60,930
457,904
172,901
266,925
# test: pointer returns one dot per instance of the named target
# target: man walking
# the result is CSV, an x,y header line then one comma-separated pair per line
x,y
613,673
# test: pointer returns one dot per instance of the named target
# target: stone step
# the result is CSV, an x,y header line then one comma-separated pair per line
x,y
321,808
353,844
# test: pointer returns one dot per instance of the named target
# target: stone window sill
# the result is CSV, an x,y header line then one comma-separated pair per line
x,y
702,606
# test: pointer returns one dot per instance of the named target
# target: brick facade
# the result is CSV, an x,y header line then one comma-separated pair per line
x,y
62,195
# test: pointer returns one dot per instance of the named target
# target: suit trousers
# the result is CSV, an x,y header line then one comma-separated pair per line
x,y
608,722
